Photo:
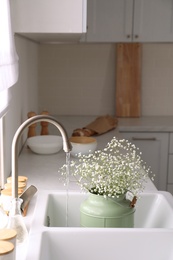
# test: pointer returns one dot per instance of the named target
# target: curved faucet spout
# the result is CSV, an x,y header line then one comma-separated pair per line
x,y
66,144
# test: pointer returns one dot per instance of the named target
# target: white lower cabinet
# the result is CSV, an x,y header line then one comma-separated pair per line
x,y
154,148
170,174
170,166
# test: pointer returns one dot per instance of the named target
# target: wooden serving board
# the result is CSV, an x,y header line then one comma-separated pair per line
x,y
128,80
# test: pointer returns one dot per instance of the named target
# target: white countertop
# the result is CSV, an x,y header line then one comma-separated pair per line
x,y
42,170
146,124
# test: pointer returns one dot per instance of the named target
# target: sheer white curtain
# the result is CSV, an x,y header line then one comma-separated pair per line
x,y
8,55
3,101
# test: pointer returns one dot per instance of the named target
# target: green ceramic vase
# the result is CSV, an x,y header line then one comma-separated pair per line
x,y
97,211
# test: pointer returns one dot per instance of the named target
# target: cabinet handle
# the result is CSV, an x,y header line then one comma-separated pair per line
x,y
128,36
136,36
144,139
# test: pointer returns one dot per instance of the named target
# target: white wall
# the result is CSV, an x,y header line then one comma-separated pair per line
x,y
24,96
77,79
80,79
157,80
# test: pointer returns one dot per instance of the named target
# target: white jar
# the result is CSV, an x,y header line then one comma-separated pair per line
x,y
21,185
3,218
6,198
6,251
20,179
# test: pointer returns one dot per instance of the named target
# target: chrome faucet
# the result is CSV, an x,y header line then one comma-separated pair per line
x,y
66,145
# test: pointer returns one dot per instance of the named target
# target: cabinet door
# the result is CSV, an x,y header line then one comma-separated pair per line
x,y
154,148
170,164
171,143
170,169
153,20
109,20
44,16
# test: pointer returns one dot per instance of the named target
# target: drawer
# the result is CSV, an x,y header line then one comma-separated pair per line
x,y
171,143
154,147
170,169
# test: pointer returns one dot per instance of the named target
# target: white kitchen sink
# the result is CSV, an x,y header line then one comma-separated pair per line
x,y
101,244
153,210
50,238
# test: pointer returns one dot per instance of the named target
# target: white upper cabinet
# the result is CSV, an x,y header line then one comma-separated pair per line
x,y
130,21
153,21
109,20
51,17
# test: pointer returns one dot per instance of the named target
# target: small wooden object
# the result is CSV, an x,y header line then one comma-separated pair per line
x,y
24,212
44,125
31,128
133,202
9,235
6,250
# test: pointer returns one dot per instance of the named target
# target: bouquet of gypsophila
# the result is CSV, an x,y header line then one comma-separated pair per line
x,y
113,171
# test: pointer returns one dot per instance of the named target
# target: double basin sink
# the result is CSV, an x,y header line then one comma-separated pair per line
x,y
56,233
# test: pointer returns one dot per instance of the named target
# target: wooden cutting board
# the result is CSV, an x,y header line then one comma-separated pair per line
x,y
128,80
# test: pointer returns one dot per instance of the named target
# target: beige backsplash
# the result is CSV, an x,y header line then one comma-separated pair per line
x,y
79,79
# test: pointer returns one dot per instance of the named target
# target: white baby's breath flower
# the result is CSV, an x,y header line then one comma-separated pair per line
x,y
113,171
